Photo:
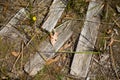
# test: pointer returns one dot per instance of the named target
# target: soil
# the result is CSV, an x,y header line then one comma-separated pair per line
x,y
104,66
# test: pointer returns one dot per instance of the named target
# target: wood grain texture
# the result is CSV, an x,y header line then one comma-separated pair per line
x,y
54,14
87,39
36,62
9,29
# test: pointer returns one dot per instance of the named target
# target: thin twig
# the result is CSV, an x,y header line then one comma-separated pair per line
x,y
22,56
113,62
115,21
15,62
105,23
30,40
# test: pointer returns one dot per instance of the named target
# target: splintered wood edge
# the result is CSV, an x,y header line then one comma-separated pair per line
x,y
87,39
54,14
9,27
36,62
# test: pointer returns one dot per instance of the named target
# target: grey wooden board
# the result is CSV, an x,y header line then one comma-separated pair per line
x,y
36,62
87,39
54,14
9,29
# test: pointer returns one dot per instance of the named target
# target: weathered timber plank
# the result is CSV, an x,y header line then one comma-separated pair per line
x,y
87,39
54,14
36,63
9,29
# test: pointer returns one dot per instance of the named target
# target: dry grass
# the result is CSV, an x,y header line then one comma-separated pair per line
x,y
104,66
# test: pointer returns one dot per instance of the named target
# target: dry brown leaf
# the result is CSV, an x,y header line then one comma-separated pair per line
x,y
15,53
53,38
109,31
70,16
65,46
111,42
64,57
50,61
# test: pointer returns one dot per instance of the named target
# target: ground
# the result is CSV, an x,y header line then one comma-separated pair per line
x,y
14,53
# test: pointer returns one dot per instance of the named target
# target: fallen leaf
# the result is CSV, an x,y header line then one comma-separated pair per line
x,y
15,53
70,16
51,60
111,42
65,46
53,38
68,44
64,57
109,31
